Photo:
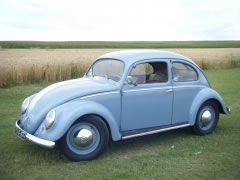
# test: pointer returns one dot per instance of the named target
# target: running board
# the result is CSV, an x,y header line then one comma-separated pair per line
x,y
155,131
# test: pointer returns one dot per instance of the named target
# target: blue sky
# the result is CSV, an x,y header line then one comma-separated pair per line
x,y
122,20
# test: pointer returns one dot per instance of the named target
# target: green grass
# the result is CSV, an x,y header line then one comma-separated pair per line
x,y
176,154
119,44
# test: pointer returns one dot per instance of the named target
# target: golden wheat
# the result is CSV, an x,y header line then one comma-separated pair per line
x,y
19,66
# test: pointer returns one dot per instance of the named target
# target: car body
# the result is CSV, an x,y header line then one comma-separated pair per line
x,y
124,94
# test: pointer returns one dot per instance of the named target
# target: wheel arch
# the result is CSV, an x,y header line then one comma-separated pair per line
x,y
218,104
206,94
68,113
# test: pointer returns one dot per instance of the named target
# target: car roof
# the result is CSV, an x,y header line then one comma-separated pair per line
x,y
132,56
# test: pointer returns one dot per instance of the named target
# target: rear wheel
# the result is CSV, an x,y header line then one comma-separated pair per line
x,y
207,118
85,139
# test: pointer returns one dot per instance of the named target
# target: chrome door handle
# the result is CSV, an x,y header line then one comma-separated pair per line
x,y
169,90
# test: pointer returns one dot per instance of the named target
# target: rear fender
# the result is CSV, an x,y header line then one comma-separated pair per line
x,y
203,96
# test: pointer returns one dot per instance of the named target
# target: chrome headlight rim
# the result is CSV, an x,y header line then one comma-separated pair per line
x,y
49,120
25,105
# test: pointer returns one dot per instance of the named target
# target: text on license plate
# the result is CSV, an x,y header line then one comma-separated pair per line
x,y
21,133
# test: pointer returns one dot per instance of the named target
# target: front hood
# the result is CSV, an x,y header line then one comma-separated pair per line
x,y
57,94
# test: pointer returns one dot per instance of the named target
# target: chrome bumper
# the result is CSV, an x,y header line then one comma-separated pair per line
x,y
25,135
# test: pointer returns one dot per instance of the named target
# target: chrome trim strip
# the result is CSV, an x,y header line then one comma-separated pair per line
x,y
100,94
155,131
147,89
187,86
161,88
36,140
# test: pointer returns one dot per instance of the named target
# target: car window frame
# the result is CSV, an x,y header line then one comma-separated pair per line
x,y
177,61
165,60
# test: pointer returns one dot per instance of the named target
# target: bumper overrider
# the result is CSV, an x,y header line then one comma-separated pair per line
x,y
26,136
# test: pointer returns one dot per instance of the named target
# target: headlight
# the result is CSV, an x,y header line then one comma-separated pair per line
x,y
25,105
49,119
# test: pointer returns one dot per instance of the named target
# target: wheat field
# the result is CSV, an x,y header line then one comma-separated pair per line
x,y
20,66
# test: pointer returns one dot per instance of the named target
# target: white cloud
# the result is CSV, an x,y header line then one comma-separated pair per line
x,y
119,20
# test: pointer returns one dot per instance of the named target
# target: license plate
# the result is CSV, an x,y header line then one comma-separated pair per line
x,y
20,133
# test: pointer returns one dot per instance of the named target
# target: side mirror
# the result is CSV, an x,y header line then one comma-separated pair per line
x,y
130,80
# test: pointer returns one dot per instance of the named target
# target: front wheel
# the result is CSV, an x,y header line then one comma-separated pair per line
x,y
86,139
207,118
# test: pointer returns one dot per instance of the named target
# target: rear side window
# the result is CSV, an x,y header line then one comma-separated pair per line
x,y
183,72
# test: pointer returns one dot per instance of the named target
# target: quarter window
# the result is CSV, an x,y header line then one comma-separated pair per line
x,y
151,72
183,72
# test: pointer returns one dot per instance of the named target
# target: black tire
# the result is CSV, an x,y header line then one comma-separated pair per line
x,y
75,152
201,127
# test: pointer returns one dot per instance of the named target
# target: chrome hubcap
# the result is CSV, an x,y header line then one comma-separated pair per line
x,y
206,117
83,138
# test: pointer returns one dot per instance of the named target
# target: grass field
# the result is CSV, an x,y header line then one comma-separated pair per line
x,y
119,44
177,154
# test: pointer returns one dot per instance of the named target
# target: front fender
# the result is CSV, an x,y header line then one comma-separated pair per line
x,y
68,113
204,95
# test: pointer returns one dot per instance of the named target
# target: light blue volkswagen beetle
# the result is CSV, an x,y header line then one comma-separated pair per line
x,y
124,94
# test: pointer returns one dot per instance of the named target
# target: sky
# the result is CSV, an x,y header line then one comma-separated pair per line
x,y
119,20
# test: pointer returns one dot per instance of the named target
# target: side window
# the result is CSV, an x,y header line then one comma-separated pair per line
x,y
183,72
151,72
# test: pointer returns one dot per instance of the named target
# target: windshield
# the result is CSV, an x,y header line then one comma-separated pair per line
x,y
108,68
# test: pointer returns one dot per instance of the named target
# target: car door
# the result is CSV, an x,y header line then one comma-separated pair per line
x,y
185,88
147,100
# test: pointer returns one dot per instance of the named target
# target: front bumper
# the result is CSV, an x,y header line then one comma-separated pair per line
x,y
25,135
